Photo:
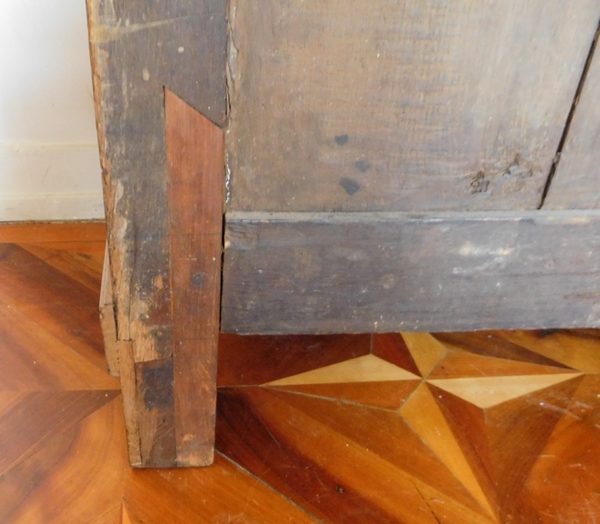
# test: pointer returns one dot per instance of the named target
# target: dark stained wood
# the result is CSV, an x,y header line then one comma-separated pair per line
x,y
499,345
391,347
400,106
576,182
344,273
139,49
195,154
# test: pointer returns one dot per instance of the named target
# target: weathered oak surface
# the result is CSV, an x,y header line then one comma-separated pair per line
x,y
576,184
393,105
383,272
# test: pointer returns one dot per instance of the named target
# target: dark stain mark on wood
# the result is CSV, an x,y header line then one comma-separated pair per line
x,y
198,279
340,490
543,333
342,140
157,384
494,179
363,165
350,185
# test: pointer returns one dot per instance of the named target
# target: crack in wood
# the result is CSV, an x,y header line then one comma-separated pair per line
x,y
570,117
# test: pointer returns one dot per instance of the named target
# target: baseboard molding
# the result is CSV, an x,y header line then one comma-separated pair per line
x,y
56,206
385,272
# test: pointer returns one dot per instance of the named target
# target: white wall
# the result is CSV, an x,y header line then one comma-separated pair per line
x,y
49,166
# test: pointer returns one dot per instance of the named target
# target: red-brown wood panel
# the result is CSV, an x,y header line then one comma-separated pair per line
x,y
195,155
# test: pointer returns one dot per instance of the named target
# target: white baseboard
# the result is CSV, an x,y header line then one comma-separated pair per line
x,y
66,206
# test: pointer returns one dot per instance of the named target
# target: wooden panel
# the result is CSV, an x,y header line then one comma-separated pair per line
x,y
138,49
576,183
394,105
195,153
384,272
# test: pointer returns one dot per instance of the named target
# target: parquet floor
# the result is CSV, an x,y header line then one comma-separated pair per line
x,y
490,427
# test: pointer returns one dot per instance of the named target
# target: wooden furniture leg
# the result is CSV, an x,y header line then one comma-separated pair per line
x,y
159,84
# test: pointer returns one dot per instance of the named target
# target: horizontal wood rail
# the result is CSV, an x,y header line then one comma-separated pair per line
x,y
385,272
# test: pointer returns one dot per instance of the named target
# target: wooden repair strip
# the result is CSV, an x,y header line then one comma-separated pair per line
x,y
195,156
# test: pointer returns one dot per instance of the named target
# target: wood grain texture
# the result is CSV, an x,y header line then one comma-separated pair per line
x,y
195,154
361,272
107,319
577,177
221,493
385,452
75,476
63,452
139,49
44,232
400,106
53,299
437,457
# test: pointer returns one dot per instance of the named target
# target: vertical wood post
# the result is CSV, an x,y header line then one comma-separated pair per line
x,y
143,52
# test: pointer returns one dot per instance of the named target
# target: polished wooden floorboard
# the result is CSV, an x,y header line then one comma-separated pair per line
x,y
488,427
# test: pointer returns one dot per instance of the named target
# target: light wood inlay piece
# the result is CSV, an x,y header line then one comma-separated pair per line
x,y
579,351
425,350
362,369
426,419
486,392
